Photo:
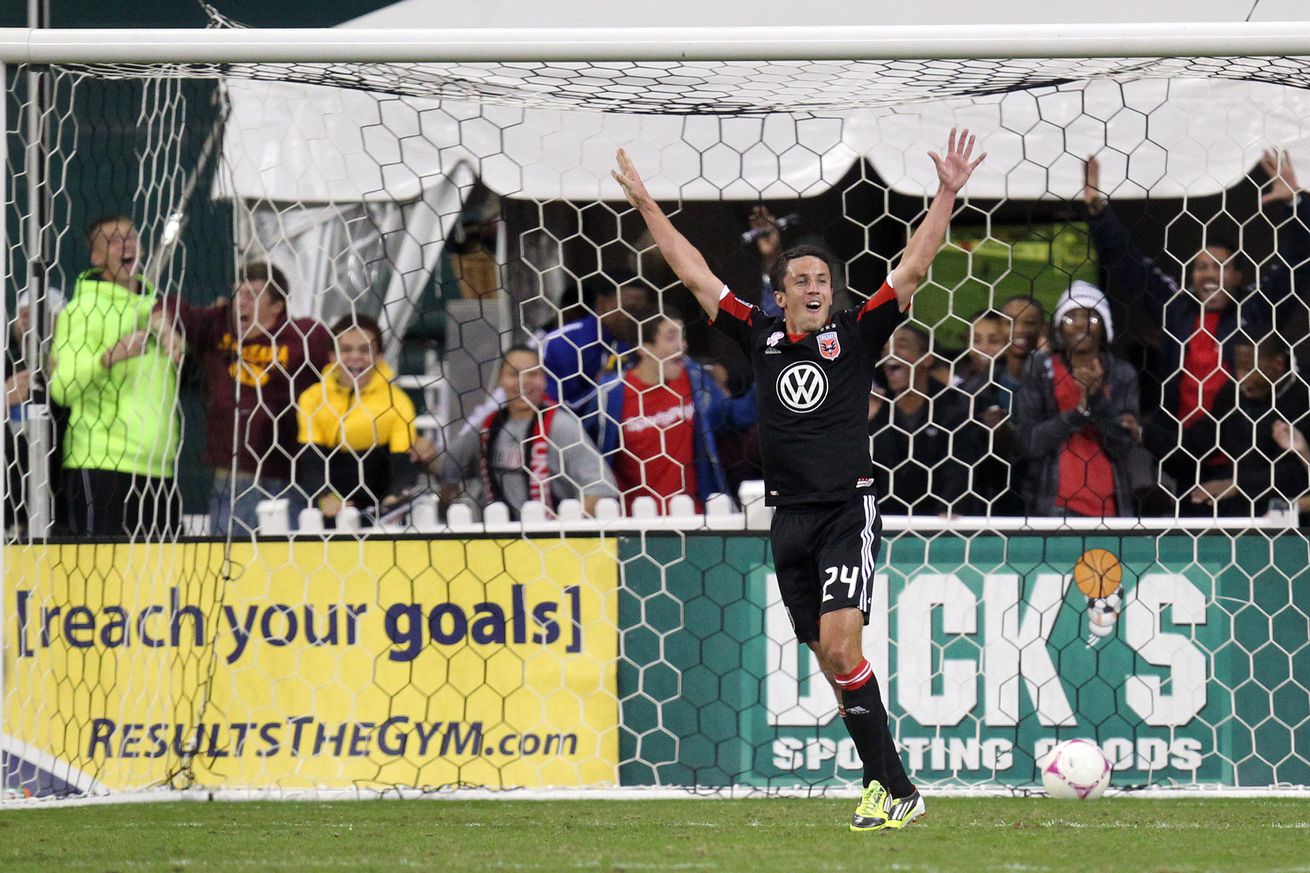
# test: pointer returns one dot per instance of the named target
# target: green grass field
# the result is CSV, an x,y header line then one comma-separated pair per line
x,y
974,834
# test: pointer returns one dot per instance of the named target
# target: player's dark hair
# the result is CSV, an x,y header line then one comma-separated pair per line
x,y
779,268
273,279
112,218
366,323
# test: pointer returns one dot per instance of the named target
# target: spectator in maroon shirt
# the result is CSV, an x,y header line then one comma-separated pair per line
x,y
254,362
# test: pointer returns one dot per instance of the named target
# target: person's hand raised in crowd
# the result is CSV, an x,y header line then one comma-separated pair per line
x,y
1129,422
329,505
423,452
18,389
1090,376
769,240
1211,492
1093,196
1282,186
1290,439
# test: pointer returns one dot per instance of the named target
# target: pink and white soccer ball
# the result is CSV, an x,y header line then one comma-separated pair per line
x,y
1075,770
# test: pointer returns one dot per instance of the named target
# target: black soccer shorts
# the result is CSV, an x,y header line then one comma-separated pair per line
x,y
823,557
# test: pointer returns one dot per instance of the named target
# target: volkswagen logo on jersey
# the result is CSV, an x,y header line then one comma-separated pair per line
x,y
829,345
802,386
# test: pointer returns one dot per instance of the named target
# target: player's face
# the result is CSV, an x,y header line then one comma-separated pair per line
x,y
1082,330
807,294
115,249
990,338
1213,277
1026,329
255,307
356,356
523,380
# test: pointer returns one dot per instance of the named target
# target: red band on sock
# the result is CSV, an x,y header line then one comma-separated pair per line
x,y
857,678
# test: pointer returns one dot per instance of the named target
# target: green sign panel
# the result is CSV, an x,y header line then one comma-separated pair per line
x,y
1188,662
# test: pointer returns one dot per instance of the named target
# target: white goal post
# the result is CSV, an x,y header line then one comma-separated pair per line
x,y
454,184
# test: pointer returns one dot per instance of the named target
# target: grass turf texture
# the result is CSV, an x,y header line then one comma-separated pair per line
x,y
977,834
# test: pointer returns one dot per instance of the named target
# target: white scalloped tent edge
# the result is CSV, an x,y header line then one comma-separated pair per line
x,y
314,144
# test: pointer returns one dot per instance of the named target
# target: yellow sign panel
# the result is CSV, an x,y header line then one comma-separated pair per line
x,y
370,664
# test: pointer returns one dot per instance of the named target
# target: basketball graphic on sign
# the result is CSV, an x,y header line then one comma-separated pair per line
x,y
1098,573
1099,576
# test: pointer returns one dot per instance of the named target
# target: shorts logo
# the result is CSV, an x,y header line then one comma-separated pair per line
x,y
829,345
802,386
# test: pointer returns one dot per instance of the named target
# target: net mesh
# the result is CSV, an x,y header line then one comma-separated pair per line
x,y
391,586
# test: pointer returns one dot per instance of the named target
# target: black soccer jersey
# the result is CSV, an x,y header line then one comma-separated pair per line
x,y
814,395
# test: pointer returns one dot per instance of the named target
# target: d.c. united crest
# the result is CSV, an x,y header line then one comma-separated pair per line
x,y
829,345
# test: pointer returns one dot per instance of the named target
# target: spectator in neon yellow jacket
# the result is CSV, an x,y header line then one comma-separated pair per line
x,y
114,366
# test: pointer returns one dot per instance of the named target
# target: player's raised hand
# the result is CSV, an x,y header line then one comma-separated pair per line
x,y
630,181
956,167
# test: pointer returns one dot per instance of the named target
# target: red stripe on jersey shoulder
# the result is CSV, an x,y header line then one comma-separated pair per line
x,y
736,307
885,293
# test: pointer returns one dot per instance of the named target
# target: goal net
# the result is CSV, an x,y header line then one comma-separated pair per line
x,y
348,562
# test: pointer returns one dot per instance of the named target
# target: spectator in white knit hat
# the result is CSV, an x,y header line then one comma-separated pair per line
x,y
1077,414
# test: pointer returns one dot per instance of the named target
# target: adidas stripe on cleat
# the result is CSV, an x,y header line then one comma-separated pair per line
x,y
903,813
871,814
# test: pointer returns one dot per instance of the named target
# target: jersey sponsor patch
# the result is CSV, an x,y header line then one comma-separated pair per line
x,y
802,386
774,338
829,345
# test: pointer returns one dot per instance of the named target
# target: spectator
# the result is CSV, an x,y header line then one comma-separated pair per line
x,y
578,355
1250,467
356,426
922,436
1076,414
976,374
114,366
1199,326
1291,475
530,448
17,393
979,379
254,362
766,234
659,422
1027,335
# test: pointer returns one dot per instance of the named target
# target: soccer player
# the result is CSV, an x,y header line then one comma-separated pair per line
x,y
814,369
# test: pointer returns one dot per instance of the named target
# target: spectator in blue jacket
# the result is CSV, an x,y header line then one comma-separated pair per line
x,y
660,421
583,353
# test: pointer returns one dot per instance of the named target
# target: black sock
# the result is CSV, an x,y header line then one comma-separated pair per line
x,y
866,722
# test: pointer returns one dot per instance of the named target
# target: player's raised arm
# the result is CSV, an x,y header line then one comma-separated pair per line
x,y
953,170
686,261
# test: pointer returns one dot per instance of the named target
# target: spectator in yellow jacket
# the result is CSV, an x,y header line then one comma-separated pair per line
x,y
357,428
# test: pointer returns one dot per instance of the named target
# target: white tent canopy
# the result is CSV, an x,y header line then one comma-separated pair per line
x,y
313,144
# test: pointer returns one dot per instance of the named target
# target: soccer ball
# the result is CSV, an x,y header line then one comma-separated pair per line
x,y
1075,770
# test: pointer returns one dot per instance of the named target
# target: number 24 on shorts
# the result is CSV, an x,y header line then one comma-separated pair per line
x,y
850,576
